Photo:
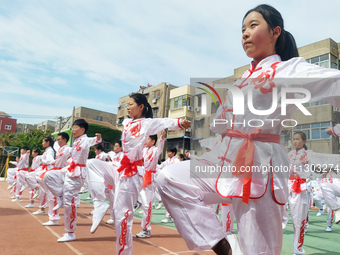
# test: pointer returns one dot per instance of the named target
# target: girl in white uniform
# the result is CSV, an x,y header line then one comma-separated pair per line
x,y
257,196
136,132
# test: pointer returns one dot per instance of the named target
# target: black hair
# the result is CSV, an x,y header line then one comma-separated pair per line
x,y
153,138
64,136
140,99
99,146
285,45
24,148
119,142
36,150
303,137
173,150
82,124
163,159
182,156
50,140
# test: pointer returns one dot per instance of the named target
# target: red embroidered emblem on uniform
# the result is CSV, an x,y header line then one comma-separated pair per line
x,y
302,234
73,213
228,222
78,148
135,129
148,218
123,232
265,78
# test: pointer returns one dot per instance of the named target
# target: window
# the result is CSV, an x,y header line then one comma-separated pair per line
x,y
199,100
317,103
314,131
77,114
155,112
156,94
322,60
214,107
334,62
100,118
120,120
284,137
199,123
8,126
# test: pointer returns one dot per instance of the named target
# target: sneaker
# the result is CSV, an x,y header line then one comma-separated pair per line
x,y
320,212
36,194
67,237
110,221
159,206
12,197
60,203
140,212
51,223
167,220
88,198
16,200
144,234
11,185
99,211
23,188
91,213
328,229
137,206
39,212
29,206
337,216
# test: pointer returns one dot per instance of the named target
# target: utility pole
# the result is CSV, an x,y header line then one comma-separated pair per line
x,y
59,128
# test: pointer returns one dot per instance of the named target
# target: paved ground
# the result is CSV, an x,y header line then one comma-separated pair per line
x,y
23,233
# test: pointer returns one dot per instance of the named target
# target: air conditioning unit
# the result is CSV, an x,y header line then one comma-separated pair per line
x,y
197,109
190,108
118,105
188,130
154,100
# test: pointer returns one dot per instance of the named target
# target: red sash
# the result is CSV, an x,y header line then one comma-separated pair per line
x,y
23,169
73,166
245,155
54,168
296,187
147,177
130,167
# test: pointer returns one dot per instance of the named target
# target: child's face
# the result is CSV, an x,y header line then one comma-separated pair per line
x,y
34,154
150,142
117,148
170,154
61,141
298,142
23,151
77,131
45,144
258,40
134,110
96,151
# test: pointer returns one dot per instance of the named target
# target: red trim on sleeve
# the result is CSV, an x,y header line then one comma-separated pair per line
x,y
179,123
333,131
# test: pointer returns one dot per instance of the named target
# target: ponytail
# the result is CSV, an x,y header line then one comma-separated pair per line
x,y
285,45
305,147
140,99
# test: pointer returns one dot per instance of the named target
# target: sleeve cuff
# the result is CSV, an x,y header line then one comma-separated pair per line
x,y
333,131
179,123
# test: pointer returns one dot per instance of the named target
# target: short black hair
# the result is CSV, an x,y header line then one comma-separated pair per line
x,y
119,142
82,124
153,138
172,149
99,146
24,148
64,136
36,150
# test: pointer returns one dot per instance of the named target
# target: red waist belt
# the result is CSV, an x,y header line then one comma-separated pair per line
x,y
31,170
148,177
130,167
245,155
23,169
54,168
74,165
296,187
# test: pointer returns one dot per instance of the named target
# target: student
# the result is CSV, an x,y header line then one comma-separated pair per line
x,y
74,177
181,157
172,159
36,162
16,176
54,178
150,156
136,131
100,153
257,197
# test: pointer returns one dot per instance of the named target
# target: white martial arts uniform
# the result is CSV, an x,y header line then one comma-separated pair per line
x,y
259,220
147,193
131,174
21,171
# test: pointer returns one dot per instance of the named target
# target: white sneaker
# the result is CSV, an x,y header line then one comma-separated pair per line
x,y
29,206
67,237
60,203
51,223
39,212
36,194
99,211
23,188
144,234
16,200
91,213
320,212
140,212
11,185
328,229
159,206
88,198
12,197
167,220
337,216
110,221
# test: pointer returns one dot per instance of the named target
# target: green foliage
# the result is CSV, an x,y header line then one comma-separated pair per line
x,y
32,139
108,134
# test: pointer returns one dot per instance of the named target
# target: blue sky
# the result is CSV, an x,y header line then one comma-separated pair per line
x,y
55,55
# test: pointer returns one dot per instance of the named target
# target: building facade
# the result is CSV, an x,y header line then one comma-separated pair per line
x,y
7,124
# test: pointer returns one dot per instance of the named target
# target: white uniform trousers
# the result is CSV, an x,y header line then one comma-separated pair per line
x,y
318,199
299,206
10,175
188,199
20,182
31,179
54,181
330,191
285,217
110,195
146,196
71,190
227,217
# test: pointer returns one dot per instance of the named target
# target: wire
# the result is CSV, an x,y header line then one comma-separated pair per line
x,y
34,116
